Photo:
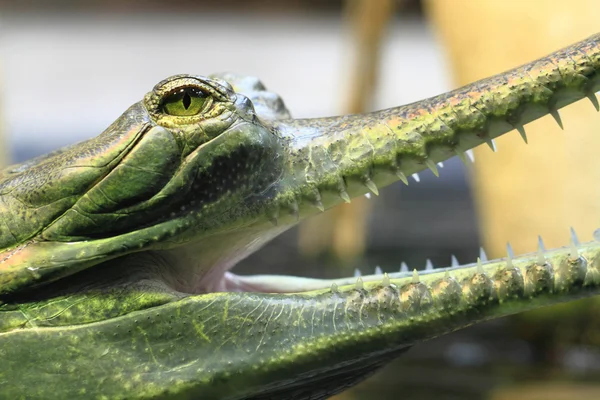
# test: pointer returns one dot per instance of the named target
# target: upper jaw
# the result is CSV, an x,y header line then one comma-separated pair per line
x,y
331,160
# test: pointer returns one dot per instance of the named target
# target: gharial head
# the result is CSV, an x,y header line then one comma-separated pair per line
x,y
115,252
187,161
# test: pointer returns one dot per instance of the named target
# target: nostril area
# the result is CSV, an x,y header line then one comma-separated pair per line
x,y
243,103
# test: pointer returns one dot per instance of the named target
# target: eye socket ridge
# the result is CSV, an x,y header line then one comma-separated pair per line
x,y
185,101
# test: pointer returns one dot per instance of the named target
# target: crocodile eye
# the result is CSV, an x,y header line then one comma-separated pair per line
x,y
185,102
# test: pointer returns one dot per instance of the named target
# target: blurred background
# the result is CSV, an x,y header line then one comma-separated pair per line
x,y
69,68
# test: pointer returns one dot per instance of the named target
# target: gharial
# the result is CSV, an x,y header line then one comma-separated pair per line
x,y
115,253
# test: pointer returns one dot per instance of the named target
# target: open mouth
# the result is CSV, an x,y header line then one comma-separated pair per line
x,y
292,284
273,283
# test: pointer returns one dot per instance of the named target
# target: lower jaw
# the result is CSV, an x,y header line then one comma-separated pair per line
x,y
282,284
231,282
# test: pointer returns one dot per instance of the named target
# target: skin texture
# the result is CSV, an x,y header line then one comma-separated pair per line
x,y
115,252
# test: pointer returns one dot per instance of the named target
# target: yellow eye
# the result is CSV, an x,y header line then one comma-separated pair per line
x,y
185,102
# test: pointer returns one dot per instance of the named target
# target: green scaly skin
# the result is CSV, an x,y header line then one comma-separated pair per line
x,y
114,252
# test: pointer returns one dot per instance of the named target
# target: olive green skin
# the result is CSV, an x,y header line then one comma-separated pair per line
x,y
149,182
103,270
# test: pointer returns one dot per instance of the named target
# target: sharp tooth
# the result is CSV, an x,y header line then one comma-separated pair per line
x,y
368,196
317,201
482,254
416,177
415,276
344,195
319,205
431,165
521,130
573,243
510,255
480,266
378,270
461,155
574,238
541,259
556,116
428,265
403,267
402,177
334,288
357,272
386,280
454,261
594,100
342,189
371,186
440,164
471,155
359,284
491,144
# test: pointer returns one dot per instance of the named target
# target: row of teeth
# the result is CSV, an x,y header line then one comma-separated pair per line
x,y
574,242
434,168
468,154
404,270
465,156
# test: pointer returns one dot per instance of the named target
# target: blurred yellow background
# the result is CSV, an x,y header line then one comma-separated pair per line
x,y
543,188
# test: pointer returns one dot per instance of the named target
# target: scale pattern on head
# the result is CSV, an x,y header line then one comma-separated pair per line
x,y
269,106
190,144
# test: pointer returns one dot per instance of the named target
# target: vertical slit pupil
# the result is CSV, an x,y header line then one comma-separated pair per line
x,y
187,100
